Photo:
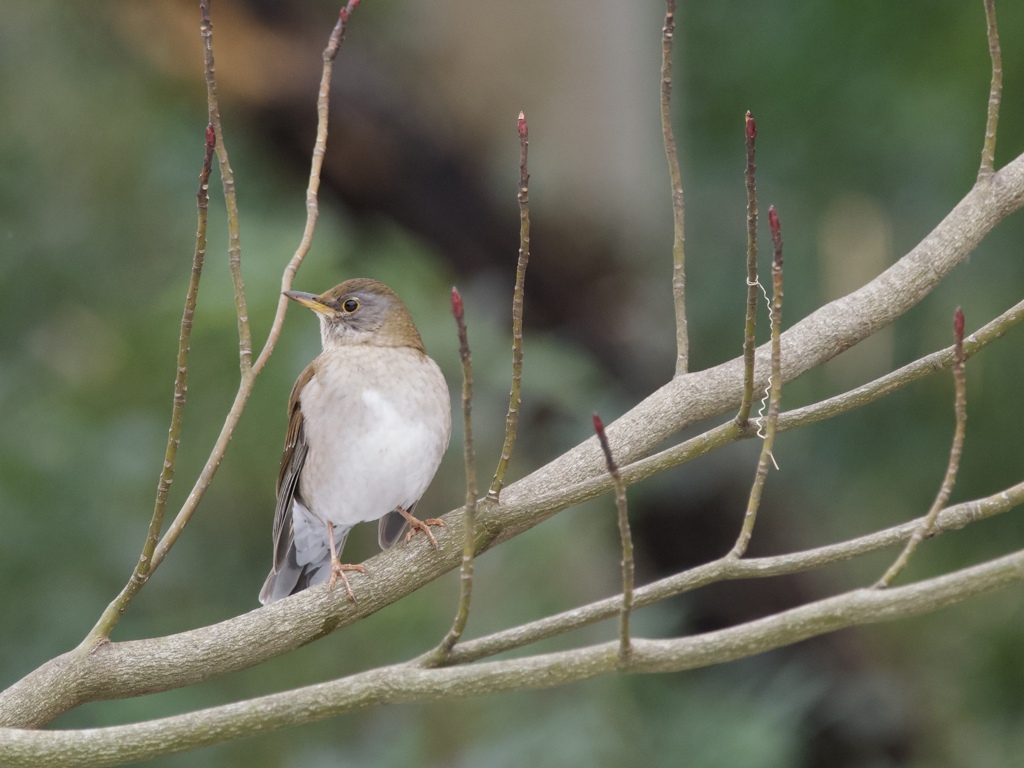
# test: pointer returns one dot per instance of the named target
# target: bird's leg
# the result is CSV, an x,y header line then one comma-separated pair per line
x,y
415,524
338,568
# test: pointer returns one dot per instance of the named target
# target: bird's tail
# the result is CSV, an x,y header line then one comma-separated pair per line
x,y
292,576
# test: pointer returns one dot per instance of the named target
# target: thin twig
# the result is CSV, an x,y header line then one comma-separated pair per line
x,y
995,94
441,654
774,397
227,177
625,644
750,326
515,394
184,339
246,385
313,187
926,527
676,179
144,567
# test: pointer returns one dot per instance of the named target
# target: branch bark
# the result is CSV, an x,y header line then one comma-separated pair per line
x,y
147,666
405,683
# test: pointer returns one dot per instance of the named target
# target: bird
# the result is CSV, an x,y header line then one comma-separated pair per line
x,y
368,422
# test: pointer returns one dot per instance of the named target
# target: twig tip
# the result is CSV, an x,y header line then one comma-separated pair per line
x,y
751,127
211,137
521,125
613,468
346,11
456,303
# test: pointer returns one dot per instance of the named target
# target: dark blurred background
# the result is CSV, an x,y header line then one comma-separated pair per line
x,y
870,121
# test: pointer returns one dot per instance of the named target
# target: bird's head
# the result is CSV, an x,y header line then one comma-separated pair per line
x,y
361,311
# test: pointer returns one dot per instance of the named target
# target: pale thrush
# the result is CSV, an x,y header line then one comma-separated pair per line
x,y
369,420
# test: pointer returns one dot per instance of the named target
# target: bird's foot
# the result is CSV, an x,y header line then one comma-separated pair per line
x,y
338,568
415,524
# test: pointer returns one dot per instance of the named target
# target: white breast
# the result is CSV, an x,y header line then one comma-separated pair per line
x,y
388,424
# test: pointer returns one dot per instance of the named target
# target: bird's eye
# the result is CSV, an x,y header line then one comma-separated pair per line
x,y
350,305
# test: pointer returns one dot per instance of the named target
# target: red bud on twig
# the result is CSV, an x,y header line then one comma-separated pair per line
x,y
456,303
347,10
613,469
211,137
751,128
522,126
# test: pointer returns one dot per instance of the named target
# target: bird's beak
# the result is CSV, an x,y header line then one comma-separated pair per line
x,y
310,300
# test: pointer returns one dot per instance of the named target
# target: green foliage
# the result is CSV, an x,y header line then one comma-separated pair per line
x,y
99,155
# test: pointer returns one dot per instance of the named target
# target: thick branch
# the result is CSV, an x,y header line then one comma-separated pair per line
x,y
405,683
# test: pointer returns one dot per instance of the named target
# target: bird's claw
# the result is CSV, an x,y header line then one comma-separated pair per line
x,y
338,568
415,524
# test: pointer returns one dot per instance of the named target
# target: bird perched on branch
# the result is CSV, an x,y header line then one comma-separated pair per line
x,y
369,420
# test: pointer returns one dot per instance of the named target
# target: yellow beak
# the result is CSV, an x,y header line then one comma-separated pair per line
x,y
310,300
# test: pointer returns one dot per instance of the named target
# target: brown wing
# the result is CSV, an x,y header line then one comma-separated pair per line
x,y
294,456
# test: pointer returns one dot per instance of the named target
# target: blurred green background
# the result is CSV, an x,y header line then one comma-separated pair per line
x,y
870,122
